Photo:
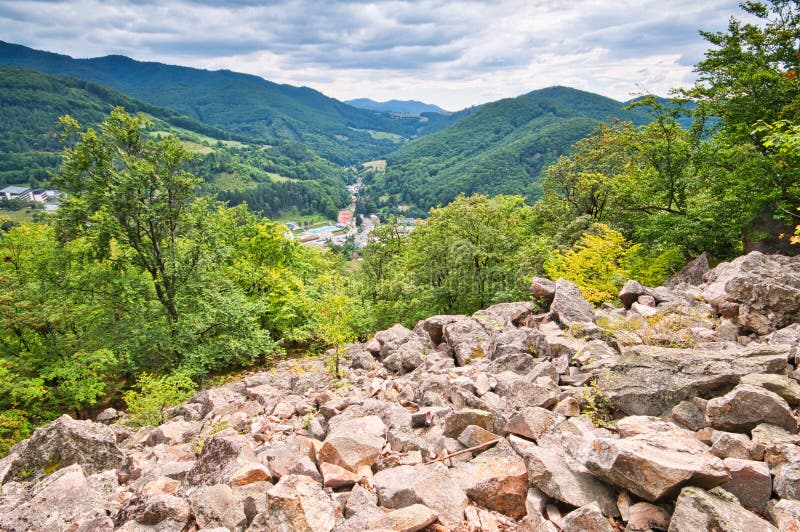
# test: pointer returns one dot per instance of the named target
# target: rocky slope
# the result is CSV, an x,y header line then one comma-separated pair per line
x,y
676,412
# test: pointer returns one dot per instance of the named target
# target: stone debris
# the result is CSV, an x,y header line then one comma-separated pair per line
x,y
542,416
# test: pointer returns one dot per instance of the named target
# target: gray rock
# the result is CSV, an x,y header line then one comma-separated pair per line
x,y
785,514
787,481
692,273
569,305
395,337
746,406
782,385
688,414
222,454
218,401
63,442
470,340
765,288
408,519
647,380
532,422
731,445
456,422
697,509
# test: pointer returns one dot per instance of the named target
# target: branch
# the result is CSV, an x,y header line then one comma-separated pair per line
x,y
462,451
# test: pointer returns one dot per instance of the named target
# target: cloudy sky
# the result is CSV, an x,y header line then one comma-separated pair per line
x,y
451,53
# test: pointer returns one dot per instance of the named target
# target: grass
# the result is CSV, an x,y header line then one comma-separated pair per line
x,y
378,165
23,215
277,178
381,135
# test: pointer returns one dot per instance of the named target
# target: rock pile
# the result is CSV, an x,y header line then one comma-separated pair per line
x,y
675,412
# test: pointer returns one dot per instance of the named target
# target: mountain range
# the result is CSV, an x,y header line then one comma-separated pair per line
x,y
498,147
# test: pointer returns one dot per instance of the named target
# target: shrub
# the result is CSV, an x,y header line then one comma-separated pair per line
x,y
155,393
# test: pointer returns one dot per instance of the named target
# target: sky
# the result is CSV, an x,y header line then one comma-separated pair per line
x,y
451,53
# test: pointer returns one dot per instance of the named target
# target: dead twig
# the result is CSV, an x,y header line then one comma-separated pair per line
x,y
462,451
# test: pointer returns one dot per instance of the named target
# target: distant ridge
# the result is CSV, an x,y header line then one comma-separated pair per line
x,y
240,103
413,107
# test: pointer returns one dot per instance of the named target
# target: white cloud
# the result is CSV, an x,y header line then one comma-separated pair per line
x,y
452,53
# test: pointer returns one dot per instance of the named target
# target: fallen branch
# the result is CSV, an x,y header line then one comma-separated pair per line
x,y
462,451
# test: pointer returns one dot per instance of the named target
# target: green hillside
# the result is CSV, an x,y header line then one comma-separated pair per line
x,y
242,103
498,148
30,148
31,103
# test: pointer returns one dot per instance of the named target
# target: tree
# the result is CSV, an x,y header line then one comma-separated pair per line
x,y
750,76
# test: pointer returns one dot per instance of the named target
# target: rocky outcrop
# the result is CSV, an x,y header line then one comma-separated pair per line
x,y
676,410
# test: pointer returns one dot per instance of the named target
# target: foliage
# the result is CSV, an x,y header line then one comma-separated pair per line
x,y
14,426
468,255
602,260
146,406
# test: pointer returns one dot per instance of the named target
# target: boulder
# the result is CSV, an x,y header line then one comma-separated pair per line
x,y
731,445
645,516
569,306
648,380
782,385
746,406
787,480
630,292
395,337
408,519
158,509
653,459
354,443
298,503
543,289
221,457
692,273
335,477
750,482
431,485
217,506
496,482
697,509
764,288
785,514
587,518
456,422
62,501
174,432
522,393
218,401
470,340
555,473
531,422
63,442
432,329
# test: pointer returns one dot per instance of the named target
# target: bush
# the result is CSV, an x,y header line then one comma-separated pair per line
x,y
602,260
14,426
156,393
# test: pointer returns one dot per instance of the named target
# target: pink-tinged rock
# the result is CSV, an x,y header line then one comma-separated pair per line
x,y
750,482
408,519
61,501
474,435
249,473
531,422
785,513
587,518
354,443
499,483
645,516
298,503
335,477
654,459
174,432
456,422
161,485
217,506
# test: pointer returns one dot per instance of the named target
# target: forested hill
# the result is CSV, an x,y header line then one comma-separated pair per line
x,y
240,103
499,148
31,103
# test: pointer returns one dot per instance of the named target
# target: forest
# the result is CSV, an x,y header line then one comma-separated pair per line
x,y
139,290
